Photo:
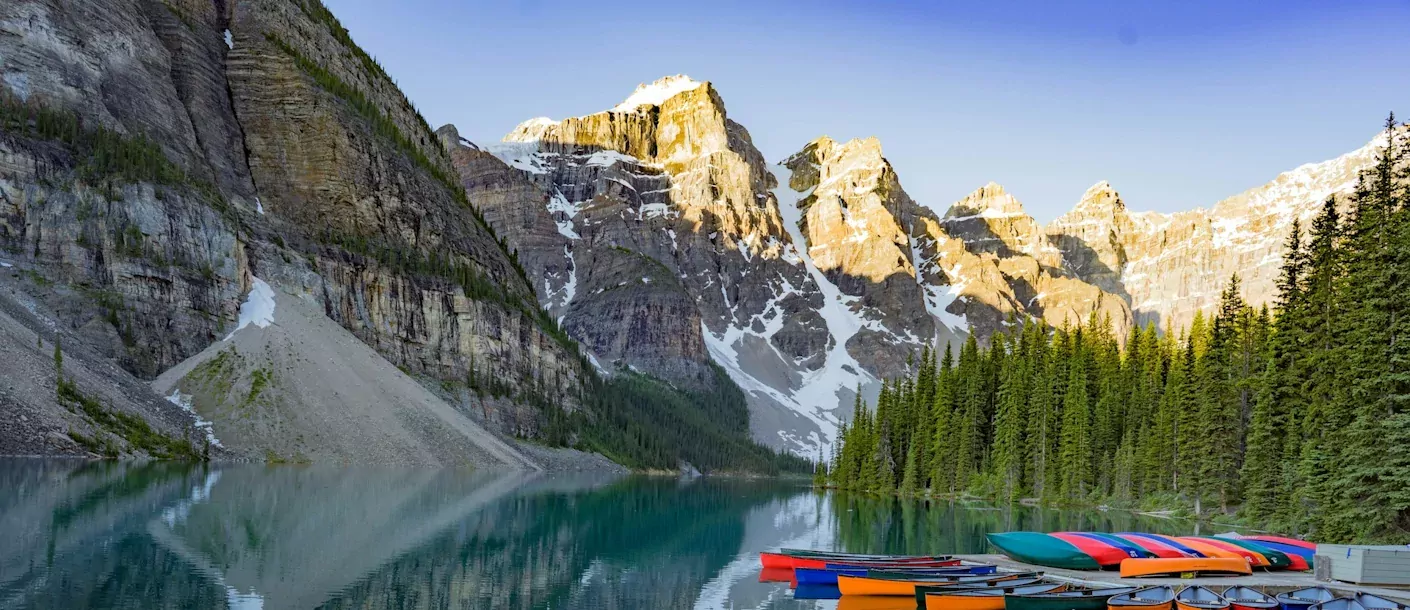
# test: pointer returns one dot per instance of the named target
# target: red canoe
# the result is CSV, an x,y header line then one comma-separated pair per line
x,y
781,560
1105,554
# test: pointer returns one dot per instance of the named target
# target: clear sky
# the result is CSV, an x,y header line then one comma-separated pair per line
x,y
1178,104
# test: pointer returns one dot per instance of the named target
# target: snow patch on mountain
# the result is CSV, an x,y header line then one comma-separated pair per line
x,y
657,92
258,308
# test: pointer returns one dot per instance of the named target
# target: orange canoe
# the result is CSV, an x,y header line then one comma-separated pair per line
x,y
1259,560
1185,565
871,585
1207,549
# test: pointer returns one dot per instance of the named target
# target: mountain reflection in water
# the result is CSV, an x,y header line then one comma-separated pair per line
x,y
116,535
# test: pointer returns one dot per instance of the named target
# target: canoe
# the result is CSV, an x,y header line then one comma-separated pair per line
x,y
776,575
1340,603
789,558
1247,598
1081,599
1209,550
1302,599
1210,566
803,591
1044,550
828,575
869,602
1105,554
1277,560
1254,558
1199,598
1149,598
1376,602
1298,557
1156,547
1311,546
1289,549
1132,550
882,583
984,599
922,590
1166,540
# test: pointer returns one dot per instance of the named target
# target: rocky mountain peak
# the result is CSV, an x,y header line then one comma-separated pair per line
x,y
530,130
988,201
1101,196
657,92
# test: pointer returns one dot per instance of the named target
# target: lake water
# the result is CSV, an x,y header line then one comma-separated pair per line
x,y
111,535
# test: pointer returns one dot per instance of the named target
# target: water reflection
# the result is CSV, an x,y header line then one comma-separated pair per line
x,y
109,535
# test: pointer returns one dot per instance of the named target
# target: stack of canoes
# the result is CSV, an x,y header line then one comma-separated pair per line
x,y
824,574
1154,554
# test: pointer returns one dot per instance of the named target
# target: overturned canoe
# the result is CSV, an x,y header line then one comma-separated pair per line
x,y
1210,550
1302,599
1293,552
1199,598
1254,558
984,599
828,575
1209,566
1044,550
1157,547
794,558
1311,546
1081,599
1131,549
883,583
1165,540
1105,553
1149,598
1277,560
1246,598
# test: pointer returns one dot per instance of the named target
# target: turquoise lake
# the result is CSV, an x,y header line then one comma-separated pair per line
x,y
77,534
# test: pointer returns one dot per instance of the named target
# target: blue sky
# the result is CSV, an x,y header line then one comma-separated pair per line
x,y
1177,104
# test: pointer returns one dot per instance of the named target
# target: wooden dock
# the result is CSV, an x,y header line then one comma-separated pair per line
x,y
1272,582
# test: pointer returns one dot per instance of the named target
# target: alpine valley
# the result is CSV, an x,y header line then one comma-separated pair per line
x,y
225,232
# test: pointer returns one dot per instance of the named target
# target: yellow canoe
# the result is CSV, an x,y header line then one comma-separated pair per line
x,y
1185,565
1209,550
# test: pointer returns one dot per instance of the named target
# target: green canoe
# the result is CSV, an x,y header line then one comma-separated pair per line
x,y
1277,560
1084,599
1044,550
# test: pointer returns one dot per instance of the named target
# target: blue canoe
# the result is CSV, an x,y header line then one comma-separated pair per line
x,y
828,575
1288,549
1167,541
1302,599
1131,549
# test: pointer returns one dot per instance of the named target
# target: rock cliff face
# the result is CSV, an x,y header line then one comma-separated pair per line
x,y
254,138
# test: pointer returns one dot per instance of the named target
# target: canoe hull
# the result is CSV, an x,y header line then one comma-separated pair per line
x,y
1179,605
1132,568
1043,602
1042,549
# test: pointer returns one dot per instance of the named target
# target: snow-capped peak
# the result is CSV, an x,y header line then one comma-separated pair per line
x,y
655,93
531,130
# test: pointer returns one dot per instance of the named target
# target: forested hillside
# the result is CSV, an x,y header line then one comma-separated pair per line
x,y
1297,416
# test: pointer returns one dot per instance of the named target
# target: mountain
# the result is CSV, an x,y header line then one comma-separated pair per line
x,y
1168,266
664,242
